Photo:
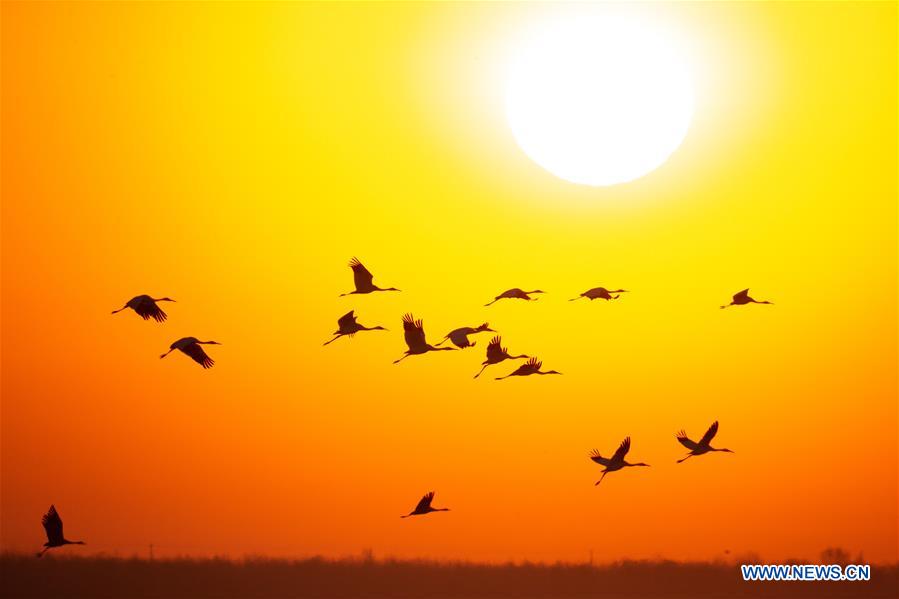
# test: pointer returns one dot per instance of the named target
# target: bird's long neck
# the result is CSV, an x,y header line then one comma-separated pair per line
x,y
386,289
68,542
757,302
637,464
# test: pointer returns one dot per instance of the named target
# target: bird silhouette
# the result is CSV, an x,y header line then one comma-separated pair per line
x,y
414,332
703,446
53,526
515,293
424,506
496,353
599,293
347,325
741,298
363,280
616,462
459,337
191,347
532,366
146,307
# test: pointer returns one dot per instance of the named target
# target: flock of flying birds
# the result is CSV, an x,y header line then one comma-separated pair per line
x,y
146,307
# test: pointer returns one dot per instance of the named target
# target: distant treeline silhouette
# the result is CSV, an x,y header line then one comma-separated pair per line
x,y
22,576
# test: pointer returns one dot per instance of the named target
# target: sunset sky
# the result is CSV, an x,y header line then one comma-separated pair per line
x,y
235,156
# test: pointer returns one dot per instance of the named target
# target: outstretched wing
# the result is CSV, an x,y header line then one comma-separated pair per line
x,y
534,363
685,440
52,525
597,457
195,351
622,450
414,332
495,349
361,277
346,320
147,309
709,434
425,502
741,294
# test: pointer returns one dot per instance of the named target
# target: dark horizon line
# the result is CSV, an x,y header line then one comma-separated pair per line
x,y
732,559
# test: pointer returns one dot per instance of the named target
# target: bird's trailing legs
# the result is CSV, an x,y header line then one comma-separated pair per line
x,y
336,337
600,479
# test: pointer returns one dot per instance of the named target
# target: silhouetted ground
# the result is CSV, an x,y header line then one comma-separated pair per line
x,y
99,578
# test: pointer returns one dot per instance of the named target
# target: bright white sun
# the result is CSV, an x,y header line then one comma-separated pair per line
x,y
599,100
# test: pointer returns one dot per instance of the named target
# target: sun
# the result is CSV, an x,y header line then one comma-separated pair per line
x,y
599,100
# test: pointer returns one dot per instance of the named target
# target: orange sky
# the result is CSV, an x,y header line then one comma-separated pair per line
x,y
235,156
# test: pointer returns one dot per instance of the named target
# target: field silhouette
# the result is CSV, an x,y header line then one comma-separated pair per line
x,y
24,576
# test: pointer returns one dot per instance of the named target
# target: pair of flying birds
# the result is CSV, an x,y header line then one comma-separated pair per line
x,y
617,461
145,307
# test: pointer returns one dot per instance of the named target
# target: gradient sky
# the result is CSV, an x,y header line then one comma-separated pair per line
x,y
235,156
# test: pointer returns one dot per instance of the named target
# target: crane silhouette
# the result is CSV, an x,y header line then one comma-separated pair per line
x,y
742,298
515,293
53,527
424,506
459,337
496,353
616,462
703,446
191,347
414,332
146,307
599,293
532,366
363,280
347,325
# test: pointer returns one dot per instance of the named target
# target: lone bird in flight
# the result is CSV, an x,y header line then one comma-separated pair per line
x,y
599,293
532,366
146,307
414,332
496,353
191,347
742,298
459,337
347,325
424,506
704,444
53,526
363,280
616,462
516,294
